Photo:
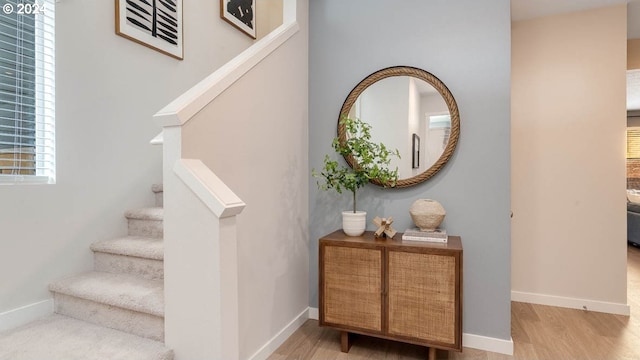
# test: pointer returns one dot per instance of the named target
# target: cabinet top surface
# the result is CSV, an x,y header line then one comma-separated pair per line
x,y
453,243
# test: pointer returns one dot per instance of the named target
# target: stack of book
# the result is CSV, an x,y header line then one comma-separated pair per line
x,y
414,234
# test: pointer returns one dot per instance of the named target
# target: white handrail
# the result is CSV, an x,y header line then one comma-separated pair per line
x,y
158,140
215,194
182,109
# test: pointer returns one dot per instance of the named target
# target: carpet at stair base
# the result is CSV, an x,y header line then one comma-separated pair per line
x,y
59,337
133,322
120,301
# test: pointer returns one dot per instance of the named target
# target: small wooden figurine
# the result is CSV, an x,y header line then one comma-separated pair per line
x,y
384,227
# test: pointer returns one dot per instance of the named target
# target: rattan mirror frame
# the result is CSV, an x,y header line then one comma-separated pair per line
x,y
433,81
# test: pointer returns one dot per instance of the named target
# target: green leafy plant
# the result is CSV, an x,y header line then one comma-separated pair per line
x,y
370,161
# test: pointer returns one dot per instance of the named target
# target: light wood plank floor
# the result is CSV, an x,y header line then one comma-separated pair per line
x,y
538,332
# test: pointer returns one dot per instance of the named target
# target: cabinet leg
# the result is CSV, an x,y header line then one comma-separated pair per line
x,y
432,353
345,343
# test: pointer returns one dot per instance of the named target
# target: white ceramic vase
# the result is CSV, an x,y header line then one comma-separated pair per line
x,y
427,214
354,224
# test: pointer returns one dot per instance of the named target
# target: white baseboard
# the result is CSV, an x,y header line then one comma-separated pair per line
x,y
314,314
20,316
468,340
487,343
571,303
267,349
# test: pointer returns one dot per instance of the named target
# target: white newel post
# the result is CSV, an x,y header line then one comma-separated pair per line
x,y
201,261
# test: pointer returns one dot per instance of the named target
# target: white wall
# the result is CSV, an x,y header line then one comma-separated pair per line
x,y
254,136
108,88
268,16
385,106
415,115
431,149
568,166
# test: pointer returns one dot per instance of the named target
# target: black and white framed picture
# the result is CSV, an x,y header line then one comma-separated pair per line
x,y
241,14
415,147
156,24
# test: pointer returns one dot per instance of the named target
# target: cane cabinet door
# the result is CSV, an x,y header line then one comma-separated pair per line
x,y
352,287
422,296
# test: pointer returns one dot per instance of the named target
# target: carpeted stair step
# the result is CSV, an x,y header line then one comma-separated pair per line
x,y
158,191
145,222
118,301
59,337
134,255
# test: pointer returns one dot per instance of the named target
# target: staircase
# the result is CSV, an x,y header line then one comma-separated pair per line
x,y
121,302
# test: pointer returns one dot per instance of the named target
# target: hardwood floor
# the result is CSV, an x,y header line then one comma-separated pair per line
x,y
538,332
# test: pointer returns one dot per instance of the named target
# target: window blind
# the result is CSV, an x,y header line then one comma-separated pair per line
x,y
27,91
633,143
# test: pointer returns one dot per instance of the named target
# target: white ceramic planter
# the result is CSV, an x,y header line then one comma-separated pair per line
x,y
354,224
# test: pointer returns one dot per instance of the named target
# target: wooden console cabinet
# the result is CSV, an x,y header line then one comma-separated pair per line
x,y
401,290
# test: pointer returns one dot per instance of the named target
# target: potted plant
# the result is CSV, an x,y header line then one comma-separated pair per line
x,y
370,163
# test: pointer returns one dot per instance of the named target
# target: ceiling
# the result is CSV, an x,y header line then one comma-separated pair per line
x,y
529,9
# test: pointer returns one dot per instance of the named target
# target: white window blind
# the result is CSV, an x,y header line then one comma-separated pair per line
x,y
27,91
440,128
633,143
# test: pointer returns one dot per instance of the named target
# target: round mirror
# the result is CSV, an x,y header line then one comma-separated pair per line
x,y
411,110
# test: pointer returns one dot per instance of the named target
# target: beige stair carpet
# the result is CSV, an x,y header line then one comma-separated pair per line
x,y
115,312
135,255
137,246
145,222
125,291
58,337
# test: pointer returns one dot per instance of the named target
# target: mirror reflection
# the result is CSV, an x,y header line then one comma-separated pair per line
x,y
411,110
407,114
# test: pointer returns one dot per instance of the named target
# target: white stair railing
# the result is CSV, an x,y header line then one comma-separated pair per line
x,y
201,262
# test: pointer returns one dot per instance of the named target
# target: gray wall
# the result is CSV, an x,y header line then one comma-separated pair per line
x,y
633,15
466,44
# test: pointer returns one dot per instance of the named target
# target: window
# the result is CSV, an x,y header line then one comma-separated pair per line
x,y
440,128
27,91
633,143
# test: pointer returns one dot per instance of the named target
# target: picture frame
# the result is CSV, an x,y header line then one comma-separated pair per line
x,y
415,152
156,24
241,14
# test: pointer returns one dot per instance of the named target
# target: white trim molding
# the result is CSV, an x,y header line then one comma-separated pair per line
x,y
485,343
20,316
468,340
314,313
571,303
267,349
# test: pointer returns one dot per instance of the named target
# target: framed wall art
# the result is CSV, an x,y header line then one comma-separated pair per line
x,y
241,14
156,24
415,147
